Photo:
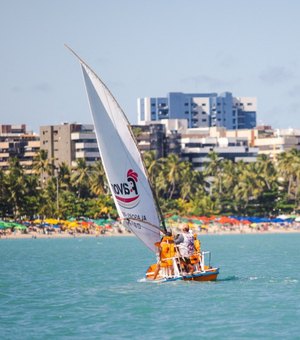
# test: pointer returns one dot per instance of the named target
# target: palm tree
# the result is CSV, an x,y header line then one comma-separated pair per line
x,y
173,169
31,200
203,204
267,170
81,178
212,172
154,167
3,193
64,176
15,186
289,171
249,185
43,165
192,180
98,180
224,185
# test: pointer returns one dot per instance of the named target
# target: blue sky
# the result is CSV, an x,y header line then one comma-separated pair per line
x,y
147,48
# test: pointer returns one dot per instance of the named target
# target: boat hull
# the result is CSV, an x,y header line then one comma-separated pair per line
x,y
210,274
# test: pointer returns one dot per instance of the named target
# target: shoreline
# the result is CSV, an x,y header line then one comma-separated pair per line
x,y
36,235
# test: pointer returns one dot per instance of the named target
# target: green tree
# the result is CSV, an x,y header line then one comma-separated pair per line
x,y
3,194
98,180
81,178
15,187
172,172
154,167
249,185
43,166
64,176
289,175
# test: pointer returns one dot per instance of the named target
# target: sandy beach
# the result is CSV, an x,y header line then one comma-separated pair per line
x,y
117,232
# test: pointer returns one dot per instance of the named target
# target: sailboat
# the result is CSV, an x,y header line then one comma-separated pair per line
x,y
128,180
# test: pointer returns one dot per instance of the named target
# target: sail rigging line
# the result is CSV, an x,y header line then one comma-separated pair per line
x,y
108,92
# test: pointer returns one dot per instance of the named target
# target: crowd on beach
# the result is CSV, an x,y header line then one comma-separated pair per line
x,y
83,227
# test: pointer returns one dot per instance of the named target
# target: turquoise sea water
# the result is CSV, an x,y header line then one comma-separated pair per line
x,y
91,288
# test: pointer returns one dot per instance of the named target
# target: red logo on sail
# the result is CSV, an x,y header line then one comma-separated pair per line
x,y
127,193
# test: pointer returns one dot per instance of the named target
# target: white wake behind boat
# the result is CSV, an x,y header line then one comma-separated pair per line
x,y
127,177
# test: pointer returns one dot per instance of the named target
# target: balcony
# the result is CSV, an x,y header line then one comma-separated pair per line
x,y
86,154
81,135
83,146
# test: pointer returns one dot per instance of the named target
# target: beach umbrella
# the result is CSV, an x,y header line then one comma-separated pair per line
x,y
245,222
20,227
226,220
174,218
100,222
4,225
74,224
198,222
45,225
56,226
204,219
52,221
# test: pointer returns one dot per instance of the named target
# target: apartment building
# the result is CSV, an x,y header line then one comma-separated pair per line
x,y
153,137
17,142
194,144
200,110
273,142
69,142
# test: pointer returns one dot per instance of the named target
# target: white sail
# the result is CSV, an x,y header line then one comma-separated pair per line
x,y
122,162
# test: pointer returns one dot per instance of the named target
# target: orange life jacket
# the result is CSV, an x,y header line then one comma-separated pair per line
x,y
195,258
167,250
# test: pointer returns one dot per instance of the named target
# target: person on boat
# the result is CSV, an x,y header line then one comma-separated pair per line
x,y
166,252
196,257
186,247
